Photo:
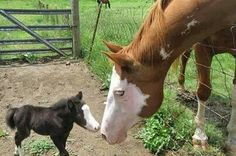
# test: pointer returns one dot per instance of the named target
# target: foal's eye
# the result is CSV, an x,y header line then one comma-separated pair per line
x,y
119,92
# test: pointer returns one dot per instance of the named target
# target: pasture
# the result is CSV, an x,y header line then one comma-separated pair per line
x,y
168,132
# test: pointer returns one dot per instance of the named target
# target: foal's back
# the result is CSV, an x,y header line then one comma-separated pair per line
x,y
43,120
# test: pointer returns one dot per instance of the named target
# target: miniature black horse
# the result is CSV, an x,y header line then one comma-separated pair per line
x,y
106,2
55,121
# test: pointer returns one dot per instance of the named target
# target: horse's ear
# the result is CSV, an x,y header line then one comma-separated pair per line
x,y
120,59
70,104
164,4
112,47
80,95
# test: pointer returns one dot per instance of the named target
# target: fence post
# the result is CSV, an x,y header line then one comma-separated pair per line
x,y
75,28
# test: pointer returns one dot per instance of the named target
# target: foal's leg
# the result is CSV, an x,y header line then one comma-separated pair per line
x,y
231,142
59,143
64,139
20,135
203,58
184,59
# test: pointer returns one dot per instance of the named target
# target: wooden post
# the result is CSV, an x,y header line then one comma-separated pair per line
x,y
75,28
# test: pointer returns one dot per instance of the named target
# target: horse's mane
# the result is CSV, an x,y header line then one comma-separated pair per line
x,y
60,104
63,102
151,35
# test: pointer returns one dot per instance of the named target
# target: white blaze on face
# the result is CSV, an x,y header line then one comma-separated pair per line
x,y
124,102
91,123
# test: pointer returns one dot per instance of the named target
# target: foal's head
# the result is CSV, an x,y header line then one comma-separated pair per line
x,y
81,113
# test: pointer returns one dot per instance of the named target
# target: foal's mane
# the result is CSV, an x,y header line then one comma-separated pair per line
x,y
60,104
151,35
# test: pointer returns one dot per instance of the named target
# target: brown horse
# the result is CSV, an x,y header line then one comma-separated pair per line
x,y
106,2
136,89
220,42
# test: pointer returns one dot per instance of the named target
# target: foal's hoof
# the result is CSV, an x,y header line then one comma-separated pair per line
x,y
200,144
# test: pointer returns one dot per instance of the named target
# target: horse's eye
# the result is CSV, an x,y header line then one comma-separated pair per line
x,y
119,92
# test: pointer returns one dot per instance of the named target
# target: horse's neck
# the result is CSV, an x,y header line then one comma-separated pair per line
x,y
186,22
191,21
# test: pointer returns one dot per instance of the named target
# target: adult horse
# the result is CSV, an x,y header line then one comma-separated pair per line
x,y
222,41
136,89
106,2
219,43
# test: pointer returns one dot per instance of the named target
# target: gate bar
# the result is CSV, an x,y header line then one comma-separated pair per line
x,y
38,11
32,33
36,27
34,41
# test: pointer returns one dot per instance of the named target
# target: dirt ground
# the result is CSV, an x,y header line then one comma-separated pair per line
x,y
45,84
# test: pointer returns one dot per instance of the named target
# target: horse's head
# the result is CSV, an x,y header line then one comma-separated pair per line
x,y
135,92
81,113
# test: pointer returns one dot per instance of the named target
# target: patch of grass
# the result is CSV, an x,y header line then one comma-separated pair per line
x,y
3,133
172,127
169,129
39,146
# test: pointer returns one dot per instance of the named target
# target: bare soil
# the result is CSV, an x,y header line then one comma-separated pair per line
x,y
45,84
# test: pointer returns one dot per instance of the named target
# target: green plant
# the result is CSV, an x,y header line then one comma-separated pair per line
x,y
28,57
169,129
3,133
39,146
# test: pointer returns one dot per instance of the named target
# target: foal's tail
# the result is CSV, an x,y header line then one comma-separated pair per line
x,y
9,118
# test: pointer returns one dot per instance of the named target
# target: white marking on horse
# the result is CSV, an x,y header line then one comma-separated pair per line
x,y
189,26
231,142
91,123
200,122
192,23
164,54
124,102
190,16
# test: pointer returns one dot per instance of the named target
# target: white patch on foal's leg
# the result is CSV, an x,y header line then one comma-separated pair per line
x,y
231,142
199,134
16,151
19,151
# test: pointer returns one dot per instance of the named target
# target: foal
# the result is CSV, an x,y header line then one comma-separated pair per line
x,y
55,121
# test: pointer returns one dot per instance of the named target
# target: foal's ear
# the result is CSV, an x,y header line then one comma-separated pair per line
x,y
70,104
80,95
112,47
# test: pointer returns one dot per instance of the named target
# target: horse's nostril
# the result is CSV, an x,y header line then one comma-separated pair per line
x,y
103,136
